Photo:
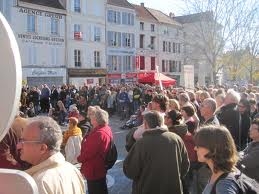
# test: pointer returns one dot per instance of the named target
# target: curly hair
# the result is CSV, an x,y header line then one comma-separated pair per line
x,y
221,146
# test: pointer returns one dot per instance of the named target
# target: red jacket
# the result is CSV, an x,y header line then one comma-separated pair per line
x,y
94,147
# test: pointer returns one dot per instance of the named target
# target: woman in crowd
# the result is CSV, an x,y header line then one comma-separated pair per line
x,y
173,121
248,162
173,105
216,147
61,112
188,113
94,148
72,140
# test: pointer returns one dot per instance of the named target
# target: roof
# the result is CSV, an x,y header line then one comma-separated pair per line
x,y
194,17
143,13
48,3
161,17
120,3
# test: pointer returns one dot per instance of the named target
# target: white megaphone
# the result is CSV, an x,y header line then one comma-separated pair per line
x,y
11,181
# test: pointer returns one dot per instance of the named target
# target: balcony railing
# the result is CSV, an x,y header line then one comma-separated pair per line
x,y
78,35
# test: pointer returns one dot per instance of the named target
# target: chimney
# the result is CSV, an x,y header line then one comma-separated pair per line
x,y
142,4
171,15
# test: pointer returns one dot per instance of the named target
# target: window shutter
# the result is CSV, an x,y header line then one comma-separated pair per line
x,y
119,39
133,40
119,18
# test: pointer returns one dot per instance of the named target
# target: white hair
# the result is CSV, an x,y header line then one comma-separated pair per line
x,y
233,96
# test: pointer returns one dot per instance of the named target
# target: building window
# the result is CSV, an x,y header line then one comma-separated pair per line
x,y
114,63
97,34
127,40
142,63
77,28
152,26
114,39
152,42
174,47
127,64
77,7
97,61
31,23
141,25
153,63
77,58
180,66
141,40
127,19
114,17
163,66
179,48
54,26
77,32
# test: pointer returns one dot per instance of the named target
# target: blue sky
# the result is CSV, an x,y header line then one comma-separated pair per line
x,y
166,6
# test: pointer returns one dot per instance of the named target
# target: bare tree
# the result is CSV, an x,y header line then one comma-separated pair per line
x,y
221,25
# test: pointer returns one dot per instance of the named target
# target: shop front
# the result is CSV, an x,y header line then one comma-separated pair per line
x,y
39,76
122,78
89,77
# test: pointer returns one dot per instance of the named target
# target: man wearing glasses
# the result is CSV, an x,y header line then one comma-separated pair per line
x,y
40,146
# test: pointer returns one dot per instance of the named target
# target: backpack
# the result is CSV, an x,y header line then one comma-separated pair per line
x,y
246,184
111,156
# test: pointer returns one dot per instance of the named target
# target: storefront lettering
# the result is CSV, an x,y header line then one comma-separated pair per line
x,y
39,39
40,13
44,73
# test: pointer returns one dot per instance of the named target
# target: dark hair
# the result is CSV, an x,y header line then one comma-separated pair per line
x,y
161,100
175,116
221,146
153,119
256,122
189,110
246,103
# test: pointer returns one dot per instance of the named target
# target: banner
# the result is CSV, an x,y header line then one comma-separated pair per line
x,y
188,71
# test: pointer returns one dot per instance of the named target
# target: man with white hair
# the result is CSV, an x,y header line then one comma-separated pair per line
x,y
229,115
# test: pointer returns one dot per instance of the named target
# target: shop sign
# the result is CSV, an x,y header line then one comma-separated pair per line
x,y
114,76
87,72
131,75
89,81
40,13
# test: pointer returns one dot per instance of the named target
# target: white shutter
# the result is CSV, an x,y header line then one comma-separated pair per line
x,y
72,5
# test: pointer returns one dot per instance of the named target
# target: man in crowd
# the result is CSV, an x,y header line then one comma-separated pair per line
x,y
158,161
229,115
40,146
207,109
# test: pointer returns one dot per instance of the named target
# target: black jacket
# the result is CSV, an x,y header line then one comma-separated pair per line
x,y
230,117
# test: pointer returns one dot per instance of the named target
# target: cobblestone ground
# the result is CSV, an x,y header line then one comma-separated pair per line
x,y
121,184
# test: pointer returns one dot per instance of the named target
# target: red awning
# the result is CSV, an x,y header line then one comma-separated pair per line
x,y
153,78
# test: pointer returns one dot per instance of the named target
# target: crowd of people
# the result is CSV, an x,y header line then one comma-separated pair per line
x,y
179,140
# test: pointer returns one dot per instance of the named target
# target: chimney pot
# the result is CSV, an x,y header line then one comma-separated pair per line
x,y
142,4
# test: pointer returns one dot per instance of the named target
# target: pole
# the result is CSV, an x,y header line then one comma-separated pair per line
x,y
160,82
